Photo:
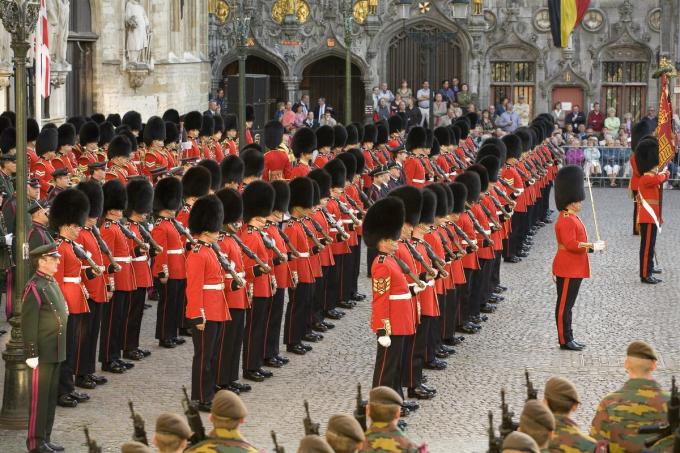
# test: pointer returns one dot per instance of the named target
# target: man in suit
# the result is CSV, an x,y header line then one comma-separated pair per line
x,y
320,110
576,117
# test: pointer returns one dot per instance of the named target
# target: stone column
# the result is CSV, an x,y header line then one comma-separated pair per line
x,y
292,85
5,74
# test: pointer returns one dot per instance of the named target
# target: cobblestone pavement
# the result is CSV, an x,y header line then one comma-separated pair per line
x,y
612,310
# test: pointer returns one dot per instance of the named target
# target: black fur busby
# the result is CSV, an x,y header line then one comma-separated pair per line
x,y
325,137
301,193
258,200
119,146
115,195
113,118
171,115
5,123
215,173
70,207
640,130
360,130
336,168
77,121
230,123
533,136
167,195
304,142
412,198
140,195
323,179
106,133
32,130
8,140
232,170
449,196
429,207
207,214
250,113
370,134
130,136
282,196
498,143
472,183
273,134
316,193
456,132
488,149
11,116
525,137
219,124
66,135
383,134
193,121
232,205
253,161
352,135
89,133
171,133
339,136
474,119
383,220
133,120
443,136
395,123
360,161
464,128
569,186
483,176
417,138
647,155
47,141
514,146
492,165
196,182
459,191
154,130
439,192
98,118
93,191
207,126
350,162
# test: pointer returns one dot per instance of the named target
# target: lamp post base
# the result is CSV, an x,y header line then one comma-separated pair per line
x,y
14,414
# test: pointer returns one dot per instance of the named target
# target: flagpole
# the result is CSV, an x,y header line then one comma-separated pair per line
x,y
592,205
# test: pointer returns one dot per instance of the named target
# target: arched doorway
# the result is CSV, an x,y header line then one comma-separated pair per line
x,y
326,78
257,65
80,48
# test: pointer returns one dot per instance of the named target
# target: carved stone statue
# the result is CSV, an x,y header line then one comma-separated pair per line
x,y
477,7
58,27
5,49
137,26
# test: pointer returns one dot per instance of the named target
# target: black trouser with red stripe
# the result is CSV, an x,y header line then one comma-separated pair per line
x,y
170,295
204,364
567,291
347,277
319,299
274,320
256,328
43,402
356,254
479,286
134,319
647,244
333,283
414,354
112,327
89,354
388,364
464,295
231,341
450,314
434,341
298,301
636,227
76,343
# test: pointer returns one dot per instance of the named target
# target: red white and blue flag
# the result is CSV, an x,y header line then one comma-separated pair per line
x,y
42,54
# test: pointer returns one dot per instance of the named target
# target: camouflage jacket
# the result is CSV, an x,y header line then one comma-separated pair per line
x,y
640,402
387,438
224,441
568,438
664,445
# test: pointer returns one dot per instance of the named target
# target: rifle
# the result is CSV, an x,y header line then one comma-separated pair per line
x,y
228,268
293,251
364,198
532,393
436,260
507,423
515,193
501,193
348,212
310,427
83,255
407,270
418,257
105,248
317,226
504,215
130,235
461,251
354,204
92,446
447,249
487,242
252,255
193,418
495,226
462,234
146,235
139,434
495,442
672,428
334,224
360,411
271,245
183,231
277,447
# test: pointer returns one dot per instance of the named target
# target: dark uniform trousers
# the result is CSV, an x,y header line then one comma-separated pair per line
x,y
182,321
274,320
44,386
449,320
347,276
204,364
133,325
230,346
113,327
464,296
88,357
256,328
333,283
414,354
299,299
434,340
480,286
495,279
76,345
356,254
514,240
169,306
647,244
567,291
389,364
319,298
636,226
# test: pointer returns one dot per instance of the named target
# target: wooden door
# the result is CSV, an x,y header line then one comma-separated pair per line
x,y
568,95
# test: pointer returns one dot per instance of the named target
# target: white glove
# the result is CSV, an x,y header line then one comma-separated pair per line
x,y
33,362
384,341
8,238
599,246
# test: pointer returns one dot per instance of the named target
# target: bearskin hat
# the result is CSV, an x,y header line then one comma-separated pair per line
x,y
352,135
460,192
119,146
472,183
167,195
5,123
442,208
640,130
336,168
232,170
130,136
370,134
514,146
502,149
360,130
395,123
193,121
449,197
171,133
140,195
196,182
32,130
273,134
11,116
154,130
215,173
98,118
360,161
114,118
282,197
443,136
93,191
66,135
383,134
232,205
47,141
8,140
492,165
106,133
532,136
483,176
350,164
207,214
207,126
171,115
464,126
316,193
325,137
301,193
429,207
339,136
88,133
525,137
456,132
412,197
258,200
647,155
219,124
133,120
115,196
230,123
304,142
417,138
250,113
474,119
253,161
383,220
323,179
569,186
70,207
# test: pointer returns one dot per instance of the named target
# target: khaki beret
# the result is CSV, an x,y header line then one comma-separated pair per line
x,y
520,442
561,390
538,415
384,395
346,426
641,350
314,444
134,447
227,404
173,424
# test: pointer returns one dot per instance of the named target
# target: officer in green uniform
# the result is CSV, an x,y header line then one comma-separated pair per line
x,y
172,433
226,414
314,444
563,400
538,422
383,436
43,322
344,434
517,442
640,402
8,167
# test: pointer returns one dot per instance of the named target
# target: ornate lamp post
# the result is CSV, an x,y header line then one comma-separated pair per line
x,y
240,32
346,11
19,18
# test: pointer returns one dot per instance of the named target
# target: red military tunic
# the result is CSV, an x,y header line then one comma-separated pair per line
x,y
183,215
205,285
414,171
326,255
321,160
282,271
571,261
404,254
485,253
261,283
635,176
276,164
140,259
124,279
428,296
230,147
237,298
96,287
470,261
117,172
302,265
339,247
297,169
170,262
43,169
648,197
69,279
391,298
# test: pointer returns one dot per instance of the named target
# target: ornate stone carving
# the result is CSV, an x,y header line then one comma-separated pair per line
x,y
137,76
58,78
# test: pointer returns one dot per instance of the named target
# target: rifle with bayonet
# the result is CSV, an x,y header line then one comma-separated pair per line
x,y
418,257
139,434
327,240
334,224
495,442
348,212
226,266
293,251
103,246
270,244
193,418
471,246
532,393
436,260
487,241
252,255
310,234
508,425
310,426
277,447
183,231
92,446
360,411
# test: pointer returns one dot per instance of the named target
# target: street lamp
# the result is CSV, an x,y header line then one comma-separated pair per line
x,y
347,13
460,8
403,9
19,18
240,32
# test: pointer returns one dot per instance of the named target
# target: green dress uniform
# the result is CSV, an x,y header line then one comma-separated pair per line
x,y
640,402
568,437
388,438
224,441
43,322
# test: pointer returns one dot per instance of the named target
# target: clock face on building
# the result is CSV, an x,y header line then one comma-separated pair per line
x,y
542,20
593,20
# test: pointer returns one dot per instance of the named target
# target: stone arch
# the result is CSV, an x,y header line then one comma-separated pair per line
x,y
256,51
319,54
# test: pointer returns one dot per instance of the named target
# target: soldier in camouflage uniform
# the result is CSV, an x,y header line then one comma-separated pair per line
x,y
562,399
517,442
640,402
344,434
383,436
538,422
226,414
314,444
172,433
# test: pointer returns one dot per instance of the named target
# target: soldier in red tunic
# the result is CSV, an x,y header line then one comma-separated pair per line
x,y
253,164
32,132
325,137
303,146
414,170
340,137
118,155
154,139
192,125
276,160
640,131
66,140
232,169
45,148
230,143
195,184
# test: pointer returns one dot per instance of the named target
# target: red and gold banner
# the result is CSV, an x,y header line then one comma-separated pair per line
x,y
664,129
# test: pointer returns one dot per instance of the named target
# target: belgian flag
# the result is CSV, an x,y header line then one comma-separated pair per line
x,y
565,15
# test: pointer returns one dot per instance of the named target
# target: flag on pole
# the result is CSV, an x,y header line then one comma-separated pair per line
x,y
565,15
42,54
664,128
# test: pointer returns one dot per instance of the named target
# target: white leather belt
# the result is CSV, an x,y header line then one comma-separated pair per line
x,y
346,221
140,258
122,259
419,181
240,274
400,296
303,254
520,190
175,252
430,283
72,279
488,232
334,230
218,287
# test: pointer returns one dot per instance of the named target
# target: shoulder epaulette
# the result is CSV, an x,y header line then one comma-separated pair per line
x,y
197,248
381,259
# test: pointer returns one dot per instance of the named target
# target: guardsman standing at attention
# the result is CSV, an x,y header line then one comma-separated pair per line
x,y
118,154
325,137
193,122
44,316
195,184
413,167
276,161
303,146
640,130
154,139
231,140
45,147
